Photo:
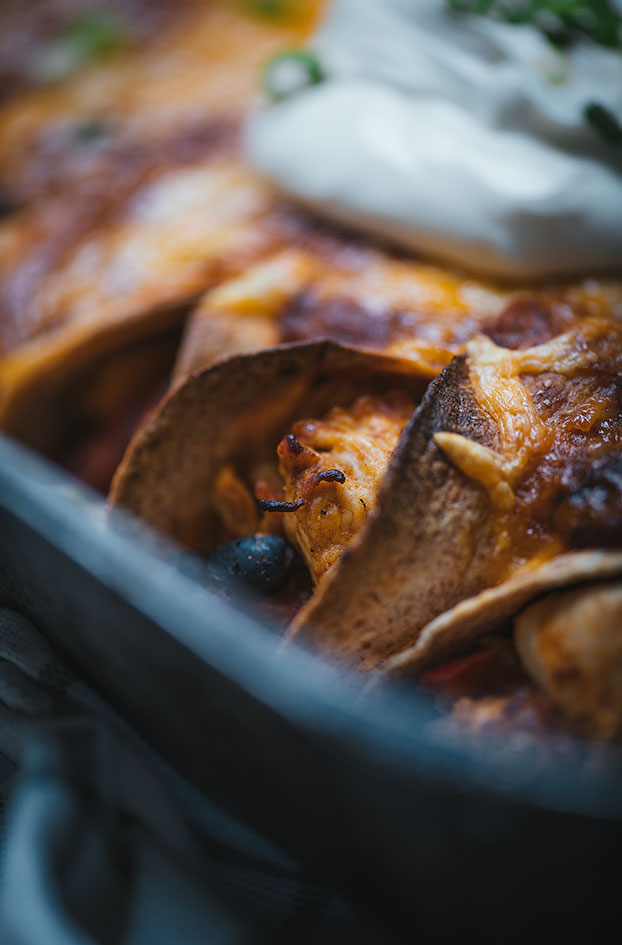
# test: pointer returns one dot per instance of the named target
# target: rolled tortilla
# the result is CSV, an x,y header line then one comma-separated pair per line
x,y
495,475
235,414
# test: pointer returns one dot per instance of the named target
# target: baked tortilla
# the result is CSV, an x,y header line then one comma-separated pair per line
x,y
134,199
462,624
235,414
130,277
509,466
162,209
174,66
496,472
326,284
34,35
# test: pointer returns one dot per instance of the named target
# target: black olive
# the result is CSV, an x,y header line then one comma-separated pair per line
x,y
259,563
91,131
262,562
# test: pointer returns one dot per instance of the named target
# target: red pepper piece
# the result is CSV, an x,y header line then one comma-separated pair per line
x,y
469,675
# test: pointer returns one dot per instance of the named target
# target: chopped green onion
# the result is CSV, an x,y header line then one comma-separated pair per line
x,y
605,123
94,33
291,72
90,35
562,21
91,131
269,7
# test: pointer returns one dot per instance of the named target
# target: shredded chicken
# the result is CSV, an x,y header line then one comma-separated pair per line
x,y
332,470
234,503
571,644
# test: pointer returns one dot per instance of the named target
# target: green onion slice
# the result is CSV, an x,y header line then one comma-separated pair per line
x,y
290,72
90,35
270,8
563,21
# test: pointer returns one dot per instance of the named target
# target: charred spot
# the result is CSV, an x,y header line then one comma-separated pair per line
x,y
549,392
329,475
341,319
450,404
314,478
94,151
196,141
279,505
293,445
530,320
589,509
293,455
327,240
215,135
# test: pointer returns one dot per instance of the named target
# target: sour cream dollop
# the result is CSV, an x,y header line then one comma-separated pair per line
x,y
454,135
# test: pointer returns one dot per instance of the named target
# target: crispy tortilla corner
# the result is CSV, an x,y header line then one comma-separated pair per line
x,y
461,625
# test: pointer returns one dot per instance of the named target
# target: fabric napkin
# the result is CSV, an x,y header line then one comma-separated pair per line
x,y
102,842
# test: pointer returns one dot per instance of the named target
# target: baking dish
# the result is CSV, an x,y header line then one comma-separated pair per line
x,y
431,834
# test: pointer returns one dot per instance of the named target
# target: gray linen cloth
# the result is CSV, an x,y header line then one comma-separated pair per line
x,y
101,842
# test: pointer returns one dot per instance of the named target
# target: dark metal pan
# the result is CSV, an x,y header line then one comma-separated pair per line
x,y
435,837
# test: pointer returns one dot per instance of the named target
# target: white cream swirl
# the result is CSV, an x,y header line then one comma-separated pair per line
x,y
454,135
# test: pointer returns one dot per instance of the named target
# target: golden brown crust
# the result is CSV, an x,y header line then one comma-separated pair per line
x,y
444,529
511,463
554,475
338,287
69,299
30,33
124,227
130,251
332,285
201,63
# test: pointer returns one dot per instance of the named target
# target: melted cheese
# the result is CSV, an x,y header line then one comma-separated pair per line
x,y
358,442
205,64
496,376
480,463
264,288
